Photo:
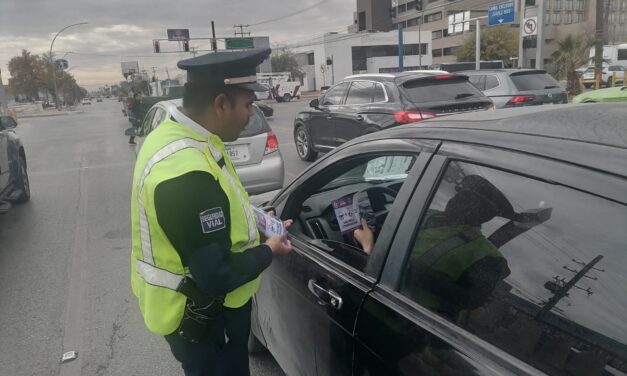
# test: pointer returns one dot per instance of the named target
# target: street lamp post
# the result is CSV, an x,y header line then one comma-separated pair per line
x,y
53,70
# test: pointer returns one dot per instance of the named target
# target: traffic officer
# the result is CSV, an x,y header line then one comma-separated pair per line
x,y
197,256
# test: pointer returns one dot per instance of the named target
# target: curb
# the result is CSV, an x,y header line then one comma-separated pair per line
x,y
65,113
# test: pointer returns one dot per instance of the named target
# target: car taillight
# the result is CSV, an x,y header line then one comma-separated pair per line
x,y
405,117
272,143
520,99
443,77
490,106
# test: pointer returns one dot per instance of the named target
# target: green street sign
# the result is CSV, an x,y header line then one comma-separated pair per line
x,y
239,43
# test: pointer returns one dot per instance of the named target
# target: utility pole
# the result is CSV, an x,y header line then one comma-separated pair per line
x,y
401,48
214,42
540,35
241,30
562,287
598,47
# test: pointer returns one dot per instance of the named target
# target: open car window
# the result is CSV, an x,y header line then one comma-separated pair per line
x,y
331,209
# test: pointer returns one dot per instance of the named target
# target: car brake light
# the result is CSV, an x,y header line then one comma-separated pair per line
x,y
272,143
520,99
405,117
443,77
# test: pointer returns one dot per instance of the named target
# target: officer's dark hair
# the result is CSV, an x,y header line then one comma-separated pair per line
x,y
197,98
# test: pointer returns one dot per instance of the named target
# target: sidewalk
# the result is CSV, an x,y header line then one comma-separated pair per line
x,y
48,113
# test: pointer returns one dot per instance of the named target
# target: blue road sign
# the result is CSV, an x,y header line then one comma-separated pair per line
x,y
499,14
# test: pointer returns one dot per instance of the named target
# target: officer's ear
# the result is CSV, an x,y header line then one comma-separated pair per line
x,y
221,104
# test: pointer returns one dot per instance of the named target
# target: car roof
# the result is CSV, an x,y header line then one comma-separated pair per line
x,y
575,133
398,76
504,70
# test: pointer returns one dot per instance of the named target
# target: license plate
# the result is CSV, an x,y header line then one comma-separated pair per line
x,y
238,153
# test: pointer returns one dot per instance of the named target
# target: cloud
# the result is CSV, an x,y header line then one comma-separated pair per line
x,y
120,30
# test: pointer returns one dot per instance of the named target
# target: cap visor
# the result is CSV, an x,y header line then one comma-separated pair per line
x,y
254,86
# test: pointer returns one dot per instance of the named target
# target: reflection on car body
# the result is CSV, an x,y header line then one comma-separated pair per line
x,y
499,249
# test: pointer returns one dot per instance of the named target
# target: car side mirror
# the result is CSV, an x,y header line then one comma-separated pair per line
x,y
315,103
131,132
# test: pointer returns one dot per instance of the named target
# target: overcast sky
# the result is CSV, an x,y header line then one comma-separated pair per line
x,y
123,30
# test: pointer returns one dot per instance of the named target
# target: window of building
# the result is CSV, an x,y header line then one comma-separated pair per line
x,y
557,5
412,49
569,4
547,18
433,17
437,34
362,21
557,18
448,51
433,1
550,292
436,52
402,8
445,33
568,18
310,59
413,22
623,5
548,5
411,5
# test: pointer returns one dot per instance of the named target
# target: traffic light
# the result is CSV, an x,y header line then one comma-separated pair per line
x,y
155,44
419,5
186,45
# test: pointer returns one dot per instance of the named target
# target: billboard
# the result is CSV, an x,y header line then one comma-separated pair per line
x,y
129,67
178,34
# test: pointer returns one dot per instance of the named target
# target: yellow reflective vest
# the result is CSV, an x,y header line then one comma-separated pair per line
x,y
171,150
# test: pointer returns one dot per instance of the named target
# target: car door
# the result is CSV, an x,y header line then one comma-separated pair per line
x,y
308,301
349,120
322,121
547,302
4,153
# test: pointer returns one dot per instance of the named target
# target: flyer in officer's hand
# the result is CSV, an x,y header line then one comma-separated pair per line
x,y
268,225
350,209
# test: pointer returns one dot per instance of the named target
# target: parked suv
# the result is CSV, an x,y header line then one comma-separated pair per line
x,y
363,104
14,185
518,87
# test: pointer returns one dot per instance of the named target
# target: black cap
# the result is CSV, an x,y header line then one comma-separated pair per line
x,y
224,68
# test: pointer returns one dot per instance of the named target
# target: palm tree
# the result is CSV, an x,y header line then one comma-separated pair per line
x,y
573,52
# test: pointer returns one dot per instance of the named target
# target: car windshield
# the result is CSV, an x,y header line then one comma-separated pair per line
x,y
377,170
534,81
440,90
256,124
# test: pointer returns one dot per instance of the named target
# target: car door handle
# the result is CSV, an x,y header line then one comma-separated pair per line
x,y
325,296
329,117
359,117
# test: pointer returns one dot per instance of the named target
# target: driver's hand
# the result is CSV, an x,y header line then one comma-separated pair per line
x,y
287,224
365,236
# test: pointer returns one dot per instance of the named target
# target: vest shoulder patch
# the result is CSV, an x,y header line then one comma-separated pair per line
x,y
212,220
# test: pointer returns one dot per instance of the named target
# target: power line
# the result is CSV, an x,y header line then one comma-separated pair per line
x,y
290,14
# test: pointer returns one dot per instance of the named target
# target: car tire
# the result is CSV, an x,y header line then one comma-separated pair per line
x,y
287,97
23,184
302,141
587,86
254,345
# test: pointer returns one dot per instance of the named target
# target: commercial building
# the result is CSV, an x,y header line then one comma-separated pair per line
x,y
328,59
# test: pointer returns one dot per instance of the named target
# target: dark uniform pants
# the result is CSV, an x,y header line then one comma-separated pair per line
x,y
217,355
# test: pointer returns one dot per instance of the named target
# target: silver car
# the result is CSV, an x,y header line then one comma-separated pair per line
x,y
517,87
255,155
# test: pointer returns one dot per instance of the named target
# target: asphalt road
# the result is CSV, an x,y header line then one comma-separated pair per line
x,y
64,256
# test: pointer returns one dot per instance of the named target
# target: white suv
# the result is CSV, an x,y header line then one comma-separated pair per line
x,y
606,76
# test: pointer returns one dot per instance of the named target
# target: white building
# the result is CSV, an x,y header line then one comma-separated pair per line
x,y
362,52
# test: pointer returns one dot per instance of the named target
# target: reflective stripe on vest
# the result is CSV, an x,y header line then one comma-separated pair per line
x,y
147,269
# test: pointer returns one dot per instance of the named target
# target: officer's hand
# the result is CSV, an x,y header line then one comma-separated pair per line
x,y
365,236
279,245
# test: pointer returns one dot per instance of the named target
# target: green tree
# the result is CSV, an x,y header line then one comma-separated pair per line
x,y
28,75
572,52
497,43
284,61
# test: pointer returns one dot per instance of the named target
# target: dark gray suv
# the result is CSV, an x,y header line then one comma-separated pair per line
x,y
14,185
517,87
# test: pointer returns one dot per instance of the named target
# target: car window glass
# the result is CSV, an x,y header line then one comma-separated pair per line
x,y
6,122
360,92
491,82
535,268
379,93
478,81
256,124
335,95
331,208
534,81
145,127
157,118
436,90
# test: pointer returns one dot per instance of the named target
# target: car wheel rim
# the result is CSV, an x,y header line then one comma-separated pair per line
x,y
302,143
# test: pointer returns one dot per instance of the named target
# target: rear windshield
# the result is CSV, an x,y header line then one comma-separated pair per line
x,y
534,81
440,90
256,124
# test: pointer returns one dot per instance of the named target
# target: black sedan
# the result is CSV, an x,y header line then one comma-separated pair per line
x,y
498,248
14,184
367,103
